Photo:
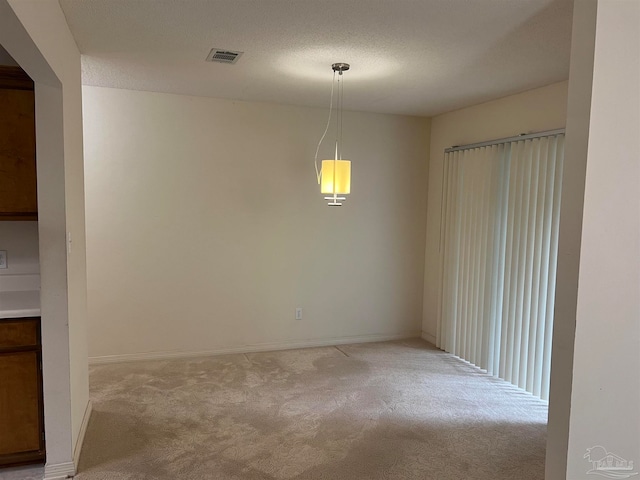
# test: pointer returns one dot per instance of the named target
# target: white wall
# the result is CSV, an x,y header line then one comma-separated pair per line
x,y
577,137
206,228
36,35
532,111
20,240
605,394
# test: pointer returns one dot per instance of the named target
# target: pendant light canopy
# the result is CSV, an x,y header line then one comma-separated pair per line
x,y
334,176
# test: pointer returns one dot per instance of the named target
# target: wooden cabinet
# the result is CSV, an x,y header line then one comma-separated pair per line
x,y
21,403
18,195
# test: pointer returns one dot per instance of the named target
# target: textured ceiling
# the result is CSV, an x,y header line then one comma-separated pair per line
x,y
417,57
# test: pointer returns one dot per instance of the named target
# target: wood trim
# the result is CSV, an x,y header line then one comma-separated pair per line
x,y
18,217
21,459
22,348
42,451
14,78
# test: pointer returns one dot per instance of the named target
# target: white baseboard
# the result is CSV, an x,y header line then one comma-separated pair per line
x,y
428,337
59,471
258,347
83,430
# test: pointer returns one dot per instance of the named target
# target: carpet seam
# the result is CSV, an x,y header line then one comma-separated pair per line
x,y
342,352
248,359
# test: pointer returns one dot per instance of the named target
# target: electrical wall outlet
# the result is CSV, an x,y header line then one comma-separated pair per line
x,y
3,259
298,313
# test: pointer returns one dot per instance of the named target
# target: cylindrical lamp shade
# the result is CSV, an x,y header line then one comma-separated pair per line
x,y
336,177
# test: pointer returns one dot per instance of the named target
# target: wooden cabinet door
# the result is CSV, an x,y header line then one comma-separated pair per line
x,y
18,195
19,404
21,429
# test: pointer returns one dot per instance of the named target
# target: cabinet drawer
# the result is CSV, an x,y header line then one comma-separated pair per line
x,y
19,333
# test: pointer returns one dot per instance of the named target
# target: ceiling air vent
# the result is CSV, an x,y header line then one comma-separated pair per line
x,y
223,56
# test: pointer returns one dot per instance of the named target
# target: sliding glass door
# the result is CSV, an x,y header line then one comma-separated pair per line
x,y
498,246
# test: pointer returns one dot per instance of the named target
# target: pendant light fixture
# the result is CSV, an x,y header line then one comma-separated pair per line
x,y
334,176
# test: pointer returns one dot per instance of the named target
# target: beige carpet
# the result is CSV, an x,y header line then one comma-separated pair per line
x,y
393,410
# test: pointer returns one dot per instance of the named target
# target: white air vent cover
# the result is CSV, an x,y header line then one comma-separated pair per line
x,y
223,56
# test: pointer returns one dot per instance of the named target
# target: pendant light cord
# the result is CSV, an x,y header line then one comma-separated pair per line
x,y
341,107
315,161
338,120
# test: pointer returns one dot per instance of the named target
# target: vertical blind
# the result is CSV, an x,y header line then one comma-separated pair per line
x,y
498,246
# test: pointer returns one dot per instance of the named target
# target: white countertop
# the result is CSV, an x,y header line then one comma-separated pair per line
x,y
20,304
